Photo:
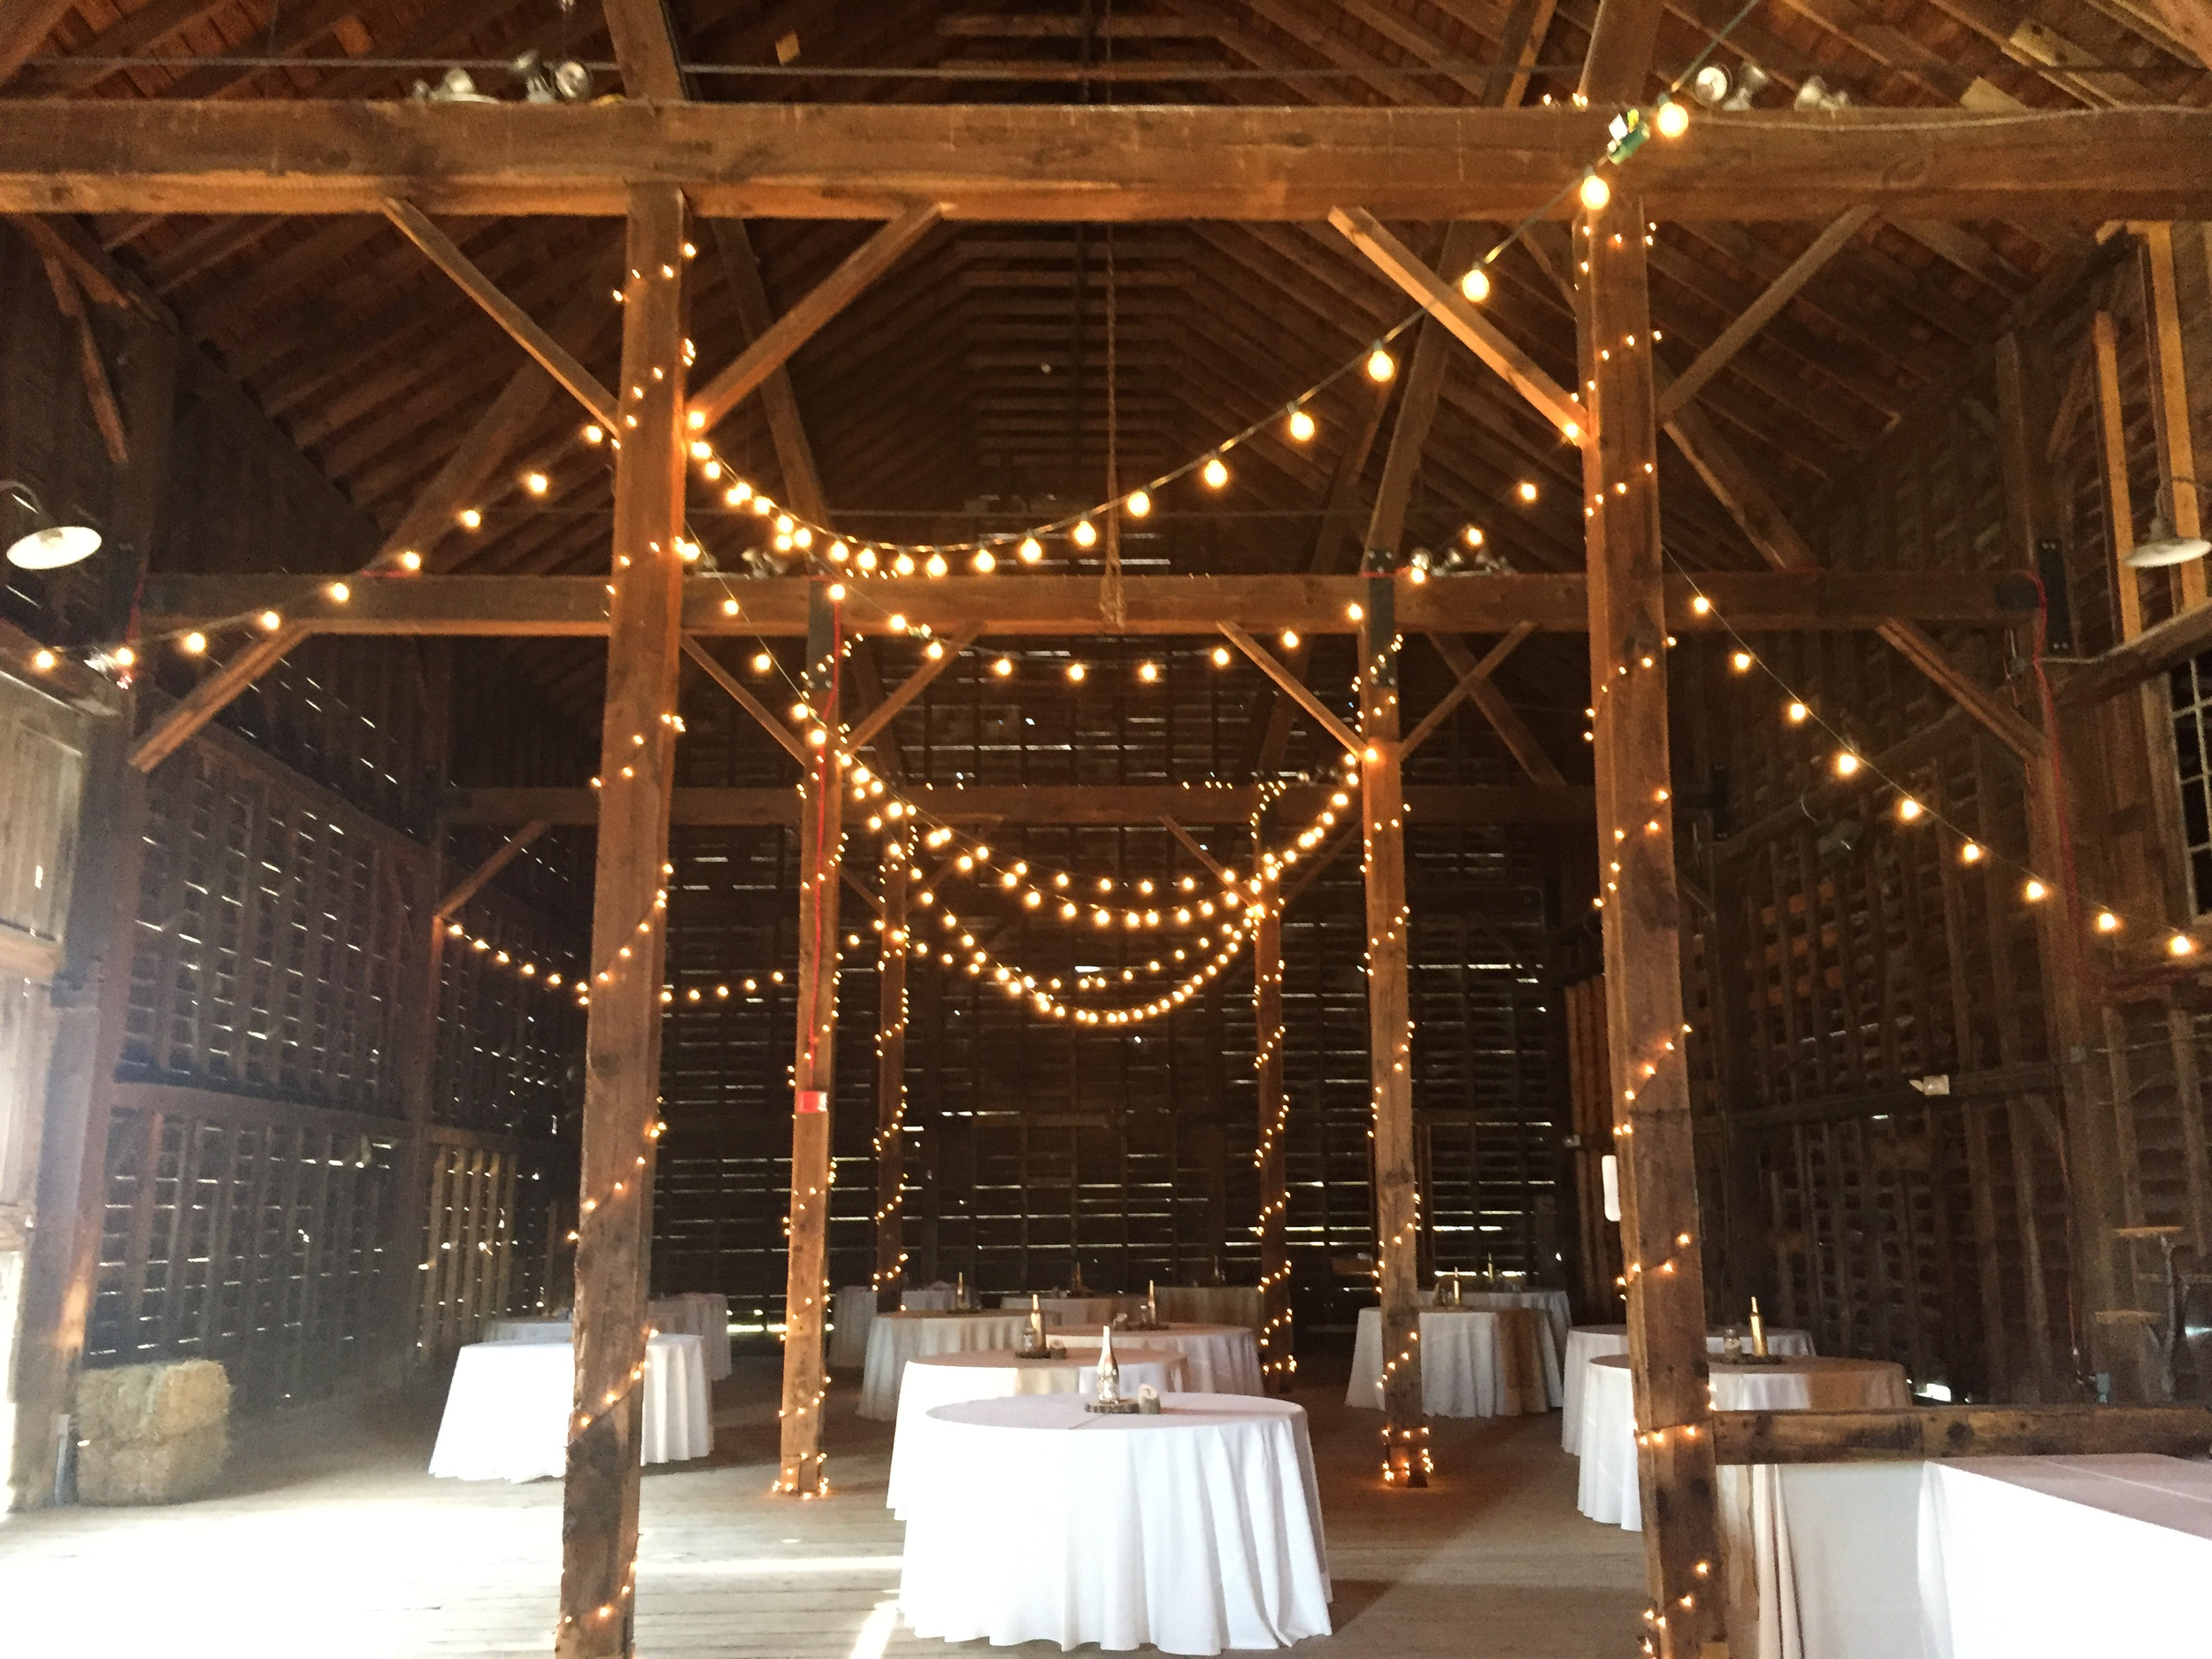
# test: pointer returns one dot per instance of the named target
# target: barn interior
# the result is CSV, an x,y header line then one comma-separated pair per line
x,y
800,649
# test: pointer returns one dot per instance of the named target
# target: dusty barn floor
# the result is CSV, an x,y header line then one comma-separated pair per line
x,y
330,1540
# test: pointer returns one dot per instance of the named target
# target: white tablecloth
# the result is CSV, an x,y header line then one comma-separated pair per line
x,y
1076,1311
1475,1362
895,1338
535,1329
928,1299
1212,1304
1835,1558
1552,1304
850,1315
2029,1555
1217,1359
946,1380
1608,1489
1196,1530
1587,1343
704,1314
507,1414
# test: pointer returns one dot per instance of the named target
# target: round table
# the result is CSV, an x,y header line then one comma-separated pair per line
x,y
506,1415
1212,1304
946,1380
850,1316
1608,1491
1475,1362
1075,1312
895,1338
928,1299
1587,1343
704,1314
1217,1359
530,1329
1196,1529
1551,1303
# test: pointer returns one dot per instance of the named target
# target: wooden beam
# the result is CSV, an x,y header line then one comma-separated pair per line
x,y
1621,41
1279,1357
2022,736
1520,42
770,350
644,48
1090,163
890,1138
475,881
622,1035
1449,307
1067,606
1928,1432
25,31
1417,410
2158,648
547,352
2169,401
1040,804
99,390
763,715
1293,686
1475,677
2112,447
806,1288
174,730
1761,310
1738,490
1661,1229
1433,721
910,688
1191,846
786,430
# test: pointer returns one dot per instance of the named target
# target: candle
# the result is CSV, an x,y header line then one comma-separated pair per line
x,y
1758,1331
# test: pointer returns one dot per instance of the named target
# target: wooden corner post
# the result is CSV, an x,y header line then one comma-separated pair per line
x,y
821,840
891,1078
1390,1034
622,1036
1660,1241
1279,1360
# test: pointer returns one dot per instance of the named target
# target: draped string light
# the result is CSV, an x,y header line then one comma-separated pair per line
x,y
523,967
887,1134
1277,1363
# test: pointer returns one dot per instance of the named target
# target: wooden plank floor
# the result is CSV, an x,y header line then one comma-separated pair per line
x,y
330,1542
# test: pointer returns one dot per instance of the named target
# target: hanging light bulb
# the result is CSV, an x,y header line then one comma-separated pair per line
x,y
1076,671
1290,639
1970,853
1910,811
1085,534
1381,365
2181,945
1846,763
1594,193
1139,503
1221,656
2034,891
937,565
1673,119
1526,489
1149,672
1476,284
1215,471
2107,922
1300,425
193,644
1798,713
984,562
1003,668
1031,549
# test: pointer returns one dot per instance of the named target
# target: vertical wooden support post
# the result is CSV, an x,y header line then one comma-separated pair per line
x,y
891,1079
1390,1034
806,1285
1279,1360
623,1033
1660,1241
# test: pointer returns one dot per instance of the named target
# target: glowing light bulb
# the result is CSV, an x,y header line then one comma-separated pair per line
x,y
1085,534
1003,668
1673,119
44,661
1525,490
1701,605
471,518
1381,365
1076,671
537,483
192,644
2181,945
339,593
594,434
410,561
1594,192
1221,656
1147,671
2034,891
1970,853
984,561
1910,811
270,621
763,662
1476,284
1798,713
1139,503
2107,922
1216,472
1300,425
1290,639
936,565
1472,535
1846,764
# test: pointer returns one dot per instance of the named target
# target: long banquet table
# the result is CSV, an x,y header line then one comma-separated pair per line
x,y
1217,1359
1196,1529
1212,1304
945,1379
507,1413
1587,1343
1475,1362
895,1338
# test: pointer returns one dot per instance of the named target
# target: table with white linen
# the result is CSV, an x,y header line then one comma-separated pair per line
x,y
1552,1304
946,1379
530,1329
1212,1304
507,1413
1217,1359
1587,1343
928,1299
704,1314
1075,1312
1196,1529
1608,1491
850,1315
1475,1362
2092,1554
895,1338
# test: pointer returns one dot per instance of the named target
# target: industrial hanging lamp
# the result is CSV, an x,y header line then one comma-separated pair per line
x,y
2160,547
50,545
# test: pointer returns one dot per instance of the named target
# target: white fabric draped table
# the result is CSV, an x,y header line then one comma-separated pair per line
x,y
1217,1359
928,1299
1076,1311
1196,1529
1211,1304
534,1329
507,1413
895,1338
1587,1343
704,1314
1552,1304
1608,1492
946,1379
1475,1362
850,1315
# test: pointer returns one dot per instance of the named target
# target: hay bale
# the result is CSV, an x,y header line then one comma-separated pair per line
x,y
136,1404
169,1470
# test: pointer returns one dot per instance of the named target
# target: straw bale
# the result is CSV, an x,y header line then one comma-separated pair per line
x,y
171,1470
133,1403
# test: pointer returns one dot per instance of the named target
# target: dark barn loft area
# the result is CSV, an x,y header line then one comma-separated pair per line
x,y
841,829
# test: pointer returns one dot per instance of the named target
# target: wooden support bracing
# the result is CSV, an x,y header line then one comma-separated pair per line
x,y
1278,1358
2169,404
622,1036
1390,1039
1293,686
1642,914
865,730
763,715
890,1142
174,730
1475,683
806,1292
1191,845
473,883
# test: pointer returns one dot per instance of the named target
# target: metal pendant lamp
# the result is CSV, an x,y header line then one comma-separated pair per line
x,y
2162,546
50,545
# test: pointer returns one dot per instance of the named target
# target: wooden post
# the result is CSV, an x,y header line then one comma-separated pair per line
x,y
1390,1036
1642,930
891,1081
1278,1361
622,1036
821,836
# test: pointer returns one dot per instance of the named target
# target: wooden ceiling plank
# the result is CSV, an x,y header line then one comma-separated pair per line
x,y
141,31
23,31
